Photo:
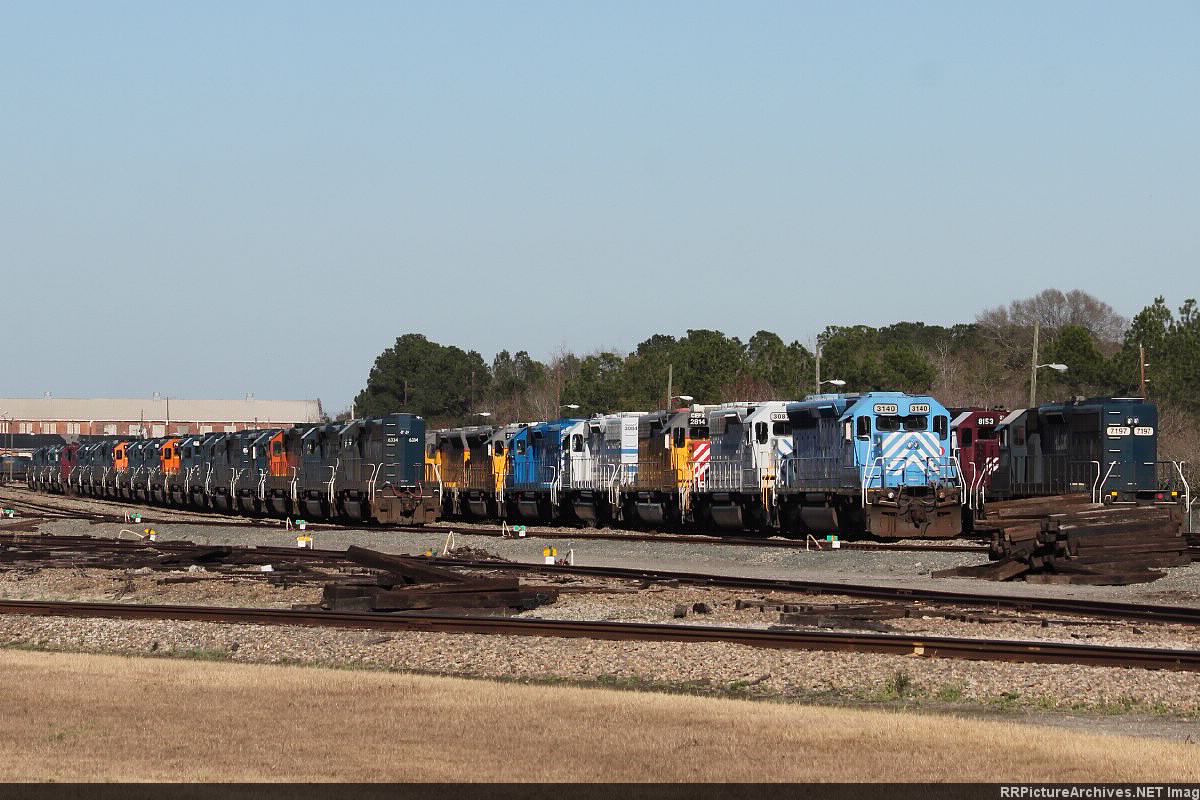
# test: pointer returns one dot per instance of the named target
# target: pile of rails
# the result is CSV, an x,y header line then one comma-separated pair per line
x,y
279,566
1073,541
410,584
356,580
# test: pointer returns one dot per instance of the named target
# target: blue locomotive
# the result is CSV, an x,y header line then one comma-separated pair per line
x,y
878,463
536,462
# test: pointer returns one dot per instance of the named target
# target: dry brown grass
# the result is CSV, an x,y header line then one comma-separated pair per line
x,y
89,717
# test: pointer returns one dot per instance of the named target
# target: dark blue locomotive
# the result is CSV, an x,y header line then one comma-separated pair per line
x,y
1106,447
368,469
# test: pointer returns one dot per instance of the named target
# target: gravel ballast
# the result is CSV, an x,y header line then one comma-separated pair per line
x,y
701,667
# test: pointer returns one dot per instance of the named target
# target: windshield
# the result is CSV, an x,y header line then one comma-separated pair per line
x,y
887,423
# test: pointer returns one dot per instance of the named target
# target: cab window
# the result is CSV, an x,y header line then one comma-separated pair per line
x,y
521,447
699,432
782,428
760,432
941,426
863,428
916,422
1019,436
965,436
577,443
887,423
277,448
680,436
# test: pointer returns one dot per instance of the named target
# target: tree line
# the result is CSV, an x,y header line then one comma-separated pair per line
x,y
984,362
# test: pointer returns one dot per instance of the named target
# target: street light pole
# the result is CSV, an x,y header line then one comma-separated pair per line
x,y
1033,387
818,360
8,423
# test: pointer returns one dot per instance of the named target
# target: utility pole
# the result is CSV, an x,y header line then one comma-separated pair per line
x,y
1033,367
670,388
1142,367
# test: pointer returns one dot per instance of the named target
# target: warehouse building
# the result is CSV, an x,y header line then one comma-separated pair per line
x,y
156,416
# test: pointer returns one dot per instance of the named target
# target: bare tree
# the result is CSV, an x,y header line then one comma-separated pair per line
x,y
1053,310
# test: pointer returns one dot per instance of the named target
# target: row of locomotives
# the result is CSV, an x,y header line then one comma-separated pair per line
x,y
748,442
362,470
51,468
600,459
1105,447
879,463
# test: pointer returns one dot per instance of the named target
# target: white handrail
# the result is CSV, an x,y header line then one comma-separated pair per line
x,y
332,478
1187,491
1096,483
371,481
867,473
1106,474
555,480
958,471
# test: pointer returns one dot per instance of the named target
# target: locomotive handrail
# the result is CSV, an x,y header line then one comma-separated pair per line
x,y
614,487
972,486
333,468
981,489
294,485
371,481
958,471
1111,466
437,473
1096,483
867,477
555,481
262,485
237,473
1187,491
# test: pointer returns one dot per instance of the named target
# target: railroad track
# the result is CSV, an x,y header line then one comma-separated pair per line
x,y
153,515
1142,612
922,646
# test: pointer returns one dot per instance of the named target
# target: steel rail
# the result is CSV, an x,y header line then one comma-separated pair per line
x,y
731,539
1184,615
919,646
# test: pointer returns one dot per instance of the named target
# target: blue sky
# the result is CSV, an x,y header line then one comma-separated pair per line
x,y
213,199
